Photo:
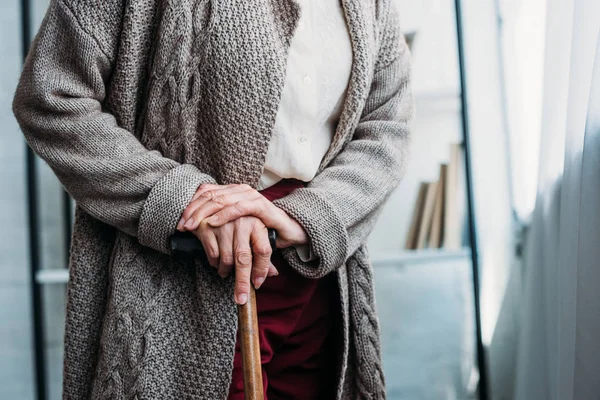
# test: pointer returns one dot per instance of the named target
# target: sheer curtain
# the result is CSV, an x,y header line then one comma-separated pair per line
x,y
558,354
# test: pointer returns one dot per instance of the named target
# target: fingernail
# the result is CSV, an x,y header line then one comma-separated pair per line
x,y
274,269
212,219
242,299
180,224
258,282
189,224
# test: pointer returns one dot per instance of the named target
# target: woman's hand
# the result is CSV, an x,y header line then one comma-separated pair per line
x,y
209,199
226,203
243,244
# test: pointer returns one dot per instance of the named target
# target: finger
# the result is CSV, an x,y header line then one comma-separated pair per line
x,y
225,189
209,243
204,194
243,263
272,270
257,207
205,187
261,253
216,203
226,256
201,197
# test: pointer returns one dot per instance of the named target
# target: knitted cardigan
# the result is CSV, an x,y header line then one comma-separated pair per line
x,y
134,104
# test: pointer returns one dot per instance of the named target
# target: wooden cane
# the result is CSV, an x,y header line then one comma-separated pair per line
x,y
252,367
187,245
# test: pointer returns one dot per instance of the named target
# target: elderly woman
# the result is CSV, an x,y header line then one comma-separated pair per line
x,y
220,117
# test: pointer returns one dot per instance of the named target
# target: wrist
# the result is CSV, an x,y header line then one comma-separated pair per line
x,y
300,237
293,235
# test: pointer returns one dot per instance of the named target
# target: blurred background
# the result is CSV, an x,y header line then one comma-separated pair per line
x,y
472,267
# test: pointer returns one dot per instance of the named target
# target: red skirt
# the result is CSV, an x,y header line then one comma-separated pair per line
x,y
297,320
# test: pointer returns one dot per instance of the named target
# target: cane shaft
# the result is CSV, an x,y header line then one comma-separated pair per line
x,y
248,327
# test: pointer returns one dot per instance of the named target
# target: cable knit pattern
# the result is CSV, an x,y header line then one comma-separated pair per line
x,y
134,104
370,382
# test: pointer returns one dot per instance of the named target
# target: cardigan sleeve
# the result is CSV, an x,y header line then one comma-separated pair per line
x,y
339,207
109,173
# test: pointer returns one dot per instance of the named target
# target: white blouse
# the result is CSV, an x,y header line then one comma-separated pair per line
x,y
317,75
318,71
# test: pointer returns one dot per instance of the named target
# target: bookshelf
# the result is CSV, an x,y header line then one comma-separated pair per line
x,y
438,121
406,257
437,126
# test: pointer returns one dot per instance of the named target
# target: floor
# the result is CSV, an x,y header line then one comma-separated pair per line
x,y
427,330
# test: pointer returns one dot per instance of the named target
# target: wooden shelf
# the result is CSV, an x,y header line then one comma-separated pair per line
x,y
437,94
52,276
402,257
447,100
388,259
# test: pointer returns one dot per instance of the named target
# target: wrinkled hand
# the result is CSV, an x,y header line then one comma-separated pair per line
x,y
242,244
226,203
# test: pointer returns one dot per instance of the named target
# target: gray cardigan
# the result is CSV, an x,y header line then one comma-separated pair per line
x,y
134,104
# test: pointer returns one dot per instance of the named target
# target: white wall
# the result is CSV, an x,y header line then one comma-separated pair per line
x,y
522,41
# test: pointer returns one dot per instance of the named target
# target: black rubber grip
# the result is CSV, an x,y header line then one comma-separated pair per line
x,y
187,245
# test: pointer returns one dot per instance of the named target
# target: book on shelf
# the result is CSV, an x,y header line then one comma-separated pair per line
x,y
454,203
437,221
438,214
413,232
410,39
425,224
